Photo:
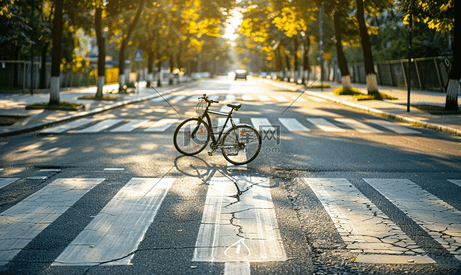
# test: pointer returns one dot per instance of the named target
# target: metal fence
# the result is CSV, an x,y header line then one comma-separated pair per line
x,y
426,73
17,74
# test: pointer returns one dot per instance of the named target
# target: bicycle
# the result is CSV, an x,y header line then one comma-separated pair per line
x,y
239,145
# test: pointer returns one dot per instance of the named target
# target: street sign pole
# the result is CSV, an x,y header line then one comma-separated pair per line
x,y
137,59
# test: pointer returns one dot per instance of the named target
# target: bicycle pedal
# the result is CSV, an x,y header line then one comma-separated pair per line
x,y
210,153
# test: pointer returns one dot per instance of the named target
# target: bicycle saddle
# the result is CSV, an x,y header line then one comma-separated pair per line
x,y
235,106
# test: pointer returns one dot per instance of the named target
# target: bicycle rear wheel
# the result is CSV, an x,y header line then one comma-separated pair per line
x,y
241,145
191,137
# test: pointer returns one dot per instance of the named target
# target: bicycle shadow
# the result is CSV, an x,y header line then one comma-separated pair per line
x,y
193,166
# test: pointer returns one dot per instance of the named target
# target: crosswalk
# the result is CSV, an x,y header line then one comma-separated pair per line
x,y
290,124
112,125
239,97
235,229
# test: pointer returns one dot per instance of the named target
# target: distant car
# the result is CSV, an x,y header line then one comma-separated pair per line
x,y
241,74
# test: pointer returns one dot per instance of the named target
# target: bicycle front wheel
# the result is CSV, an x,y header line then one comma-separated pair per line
x,y
241,145
191,136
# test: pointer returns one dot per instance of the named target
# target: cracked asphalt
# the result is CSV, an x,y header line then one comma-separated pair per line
x,y
332,200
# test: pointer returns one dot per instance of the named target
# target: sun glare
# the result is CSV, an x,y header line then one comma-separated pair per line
x,y
232,25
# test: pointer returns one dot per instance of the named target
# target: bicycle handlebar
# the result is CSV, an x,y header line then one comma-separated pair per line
x,y
205,97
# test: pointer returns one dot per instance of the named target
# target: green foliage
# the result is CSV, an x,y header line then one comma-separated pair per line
x,y
343,91
67,106
438,15
374,96
325,86
94,97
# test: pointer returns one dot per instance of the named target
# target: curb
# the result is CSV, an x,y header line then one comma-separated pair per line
x,y
83,114
373,111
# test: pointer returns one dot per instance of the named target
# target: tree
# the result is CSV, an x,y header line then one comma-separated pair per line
x,y
344,27
123,18
455,73
372,82
440,15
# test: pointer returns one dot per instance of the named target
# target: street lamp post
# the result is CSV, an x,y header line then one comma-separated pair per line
x,y
409,62
321,47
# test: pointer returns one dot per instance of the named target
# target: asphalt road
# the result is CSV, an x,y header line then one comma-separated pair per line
x,y
334,190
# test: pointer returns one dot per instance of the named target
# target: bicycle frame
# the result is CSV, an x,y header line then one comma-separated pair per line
x,y
209,124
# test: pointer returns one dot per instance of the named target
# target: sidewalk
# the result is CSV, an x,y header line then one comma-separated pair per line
x,y
392,109
12,105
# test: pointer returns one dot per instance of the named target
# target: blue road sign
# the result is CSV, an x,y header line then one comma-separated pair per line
x,y
138,55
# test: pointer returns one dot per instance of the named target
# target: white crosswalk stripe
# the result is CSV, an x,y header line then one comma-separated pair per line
x,y
362,226
457,182
247,97
313,98
440,220
221,121
393,126
23,222
280,98
102,125
194,98
263,98
214,97
225,109
126,217
178,98
161,125
7,181
262,124
292,124
161,98
130,126
325,125
361,127
229,98
298,98
67,126
258,239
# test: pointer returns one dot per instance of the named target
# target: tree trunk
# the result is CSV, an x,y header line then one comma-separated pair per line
x,y
159,64
342,62
101,51
56,54
121,65
126,38
307,45
150,65
372,83
43,66
451,103
288,67
295,62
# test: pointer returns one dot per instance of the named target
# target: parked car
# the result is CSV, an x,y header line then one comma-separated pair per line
x,y
241,74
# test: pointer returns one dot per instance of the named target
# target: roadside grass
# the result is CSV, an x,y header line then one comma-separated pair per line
x,y
93,97
350,91
374,96
357,95
64,106
326,86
